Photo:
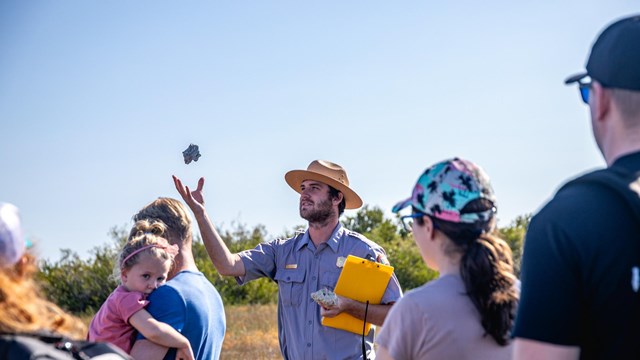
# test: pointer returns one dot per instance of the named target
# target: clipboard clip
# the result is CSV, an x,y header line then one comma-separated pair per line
x,y
370,261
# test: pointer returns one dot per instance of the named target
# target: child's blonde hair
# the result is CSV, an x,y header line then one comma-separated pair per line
x,y
145,237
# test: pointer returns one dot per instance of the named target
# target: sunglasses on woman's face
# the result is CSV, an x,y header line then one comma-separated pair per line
x,y
407,221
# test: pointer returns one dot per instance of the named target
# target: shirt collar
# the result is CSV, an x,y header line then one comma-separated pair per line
x,y
628,161
332,243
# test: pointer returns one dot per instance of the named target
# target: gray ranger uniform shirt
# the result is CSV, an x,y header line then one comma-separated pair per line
x,y
300,268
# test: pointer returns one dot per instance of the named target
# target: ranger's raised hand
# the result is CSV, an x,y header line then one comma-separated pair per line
x,y
194,199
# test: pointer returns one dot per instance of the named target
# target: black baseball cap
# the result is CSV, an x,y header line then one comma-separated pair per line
x,y
615,56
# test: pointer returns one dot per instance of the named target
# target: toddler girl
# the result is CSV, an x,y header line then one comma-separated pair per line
x,y
143,264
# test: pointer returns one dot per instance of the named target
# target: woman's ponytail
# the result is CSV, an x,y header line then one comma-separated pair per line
x,y
487,272
486,268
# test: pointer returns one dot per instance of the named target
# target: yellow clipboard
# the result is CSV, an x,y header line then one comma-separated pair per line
x,y
359,280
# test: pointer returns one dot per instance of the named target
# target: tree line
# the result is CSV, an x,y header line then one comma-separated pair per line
x,y
80,286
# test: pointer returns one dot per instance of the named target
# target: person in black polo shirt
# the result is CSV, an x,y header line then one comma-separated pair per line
x,y
581,264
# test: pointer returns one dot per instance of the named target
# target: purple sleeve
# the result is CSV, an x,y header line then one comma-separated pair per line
x,y
258,262
393,292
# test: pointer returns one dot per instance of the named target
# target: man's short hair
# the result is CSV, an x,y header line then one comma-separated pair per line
x,y
333,193
628,101
173,214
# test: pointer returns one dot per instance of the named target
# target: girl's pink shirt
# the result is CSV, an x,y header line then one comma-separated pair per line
x,y
111,322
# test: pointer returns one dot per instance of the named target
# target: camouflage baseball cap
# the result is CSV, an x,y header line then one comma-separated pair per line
x,y
444,189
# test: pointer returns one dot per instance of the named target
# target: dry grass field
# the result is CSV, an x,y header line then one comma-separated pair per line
x,y
252,333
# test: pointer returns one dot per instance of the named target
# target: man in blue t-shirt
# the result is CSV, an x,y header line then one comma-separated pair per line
x,y
188,302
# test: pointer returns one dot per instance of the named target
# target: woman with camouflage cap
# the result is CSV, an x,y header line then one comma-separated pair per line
x,y
469,310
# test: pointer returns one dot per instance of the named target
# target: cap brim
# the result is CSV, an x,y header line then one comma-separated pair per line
x,y
295,178
575,78
401,205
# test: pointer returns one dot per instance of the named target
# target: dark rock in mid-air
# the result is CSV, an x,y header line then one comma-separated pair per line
x,y
191,154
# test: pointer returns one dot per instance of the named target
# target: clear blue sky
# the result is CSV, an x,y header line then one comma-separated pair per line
x,y
99,98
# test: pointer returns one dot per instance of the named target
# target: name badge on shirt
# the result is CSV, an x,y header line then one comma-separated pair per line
x,y
291,266
340,262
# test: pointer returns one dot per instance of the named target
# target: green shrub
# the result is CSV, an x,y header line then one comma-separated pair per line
x,y
82,285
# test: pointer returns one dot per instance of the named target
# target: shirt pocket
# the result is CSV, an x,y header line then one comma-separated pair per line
x,y
290,286
329,280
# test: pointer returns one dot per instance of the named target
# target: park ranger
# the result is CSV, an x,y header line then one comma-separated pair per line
x,y
305,263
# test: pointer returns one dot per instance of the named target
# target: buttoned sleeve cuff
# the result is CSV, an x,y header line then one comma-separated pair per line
x,y
248,264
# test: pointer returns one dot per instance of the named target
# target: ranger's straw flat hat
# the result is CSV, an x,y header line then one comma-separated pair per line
x,y
329,173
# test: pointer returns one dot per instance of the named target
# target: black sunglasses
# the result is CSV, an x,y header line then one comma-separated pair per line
x,y
407,220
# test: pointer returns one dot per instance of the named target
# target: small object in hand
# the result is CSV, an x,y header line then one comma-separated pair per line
x,y
325,297
191,154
